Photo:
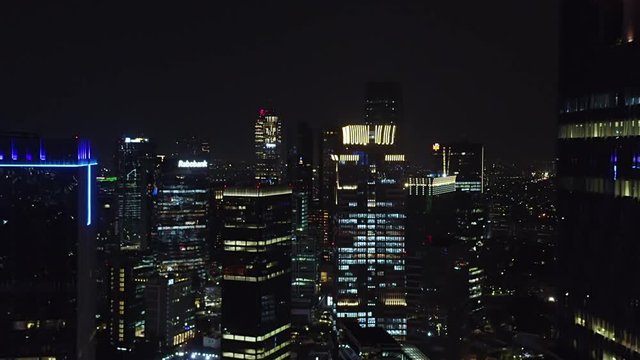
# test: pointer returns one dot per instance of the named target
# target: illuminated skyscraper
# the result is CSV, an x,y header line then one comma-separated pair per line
x,y
370,229
383,103
135,174
47,257
268,148
256,285
599,179
181,212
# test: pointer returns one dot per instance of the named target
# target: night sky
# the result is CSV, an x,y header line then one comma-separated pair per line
x,y
478,70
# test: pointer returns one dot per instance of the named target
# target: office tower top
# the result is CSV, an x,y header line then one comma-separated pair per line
x,y
268,148
256,285
463,159
383,103
47,257
193,147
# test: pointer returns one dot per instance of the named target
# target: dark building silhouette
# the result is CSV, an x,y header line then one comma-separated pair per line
x,y
47,257
599,179
256,284
383,103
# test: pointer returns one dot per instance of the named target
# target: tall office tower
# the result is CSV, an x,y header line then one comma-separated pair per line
x,y
128,273
430,210
599,178
47,257
256,285
268,147
383,103
135,175
370,229
170,312
330,144
106,243
465,160
320,221
443,287
180,232
303,244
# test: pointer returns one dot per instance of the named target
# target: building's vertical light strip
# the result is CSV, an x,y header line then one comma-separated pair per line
x,y
89,194
14,151
43,157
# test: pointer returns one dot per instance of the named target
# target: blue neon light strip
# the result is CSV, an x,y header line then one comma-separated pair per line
x,y
54,165
48,165
89,195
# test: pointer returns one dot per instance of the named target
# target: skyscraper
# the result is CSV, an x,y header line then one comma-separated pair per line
x,y
303,250
268,148
47,257
370,229
383,103
135,174
599,179
256,285
181,212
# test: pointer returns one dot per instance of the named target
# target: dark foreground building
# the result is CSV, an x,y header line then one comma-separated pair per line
x,y
599,179
47,293
256,285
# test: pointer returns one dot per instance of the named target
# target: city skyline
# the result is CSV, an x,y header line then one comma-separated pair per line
x,y
365,180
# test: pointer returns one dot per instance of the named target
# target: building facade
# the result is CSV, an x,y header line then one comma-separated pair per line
x,y
599,179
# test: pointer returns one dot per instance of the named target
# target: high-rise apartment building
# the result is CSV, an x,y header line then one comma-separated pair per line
x,y
599,179
269,166
47,257
256,285
369,225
